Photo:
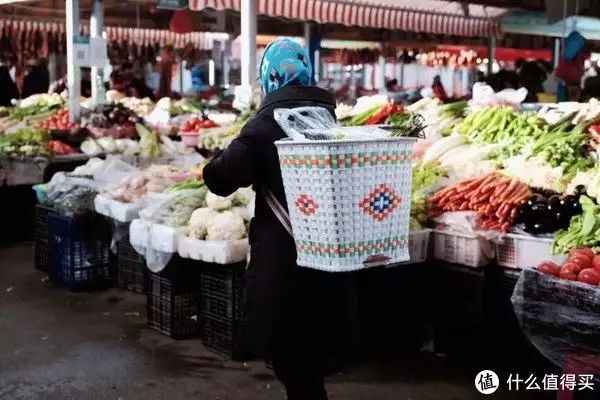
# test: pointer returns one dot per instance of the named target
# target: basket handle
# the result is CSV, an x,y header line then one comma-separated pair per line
x,y
279,211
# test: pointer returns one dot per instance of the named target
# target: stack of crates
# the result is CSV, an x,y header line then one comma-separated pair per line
x,y
79,251
132,273
221,292
172,306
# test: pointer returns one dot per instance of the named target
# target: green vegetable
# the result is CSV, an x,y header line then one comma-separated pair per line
x,y
149,147
583,231
360,119
189,184
426,174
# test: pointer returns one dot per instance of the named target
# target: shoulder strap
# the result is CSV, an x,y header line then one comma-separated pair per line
x,y
279,211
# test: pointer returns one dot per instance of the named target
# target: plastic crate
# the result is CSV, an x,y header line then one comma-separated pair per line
x,y
132,273
79,251
459,310
522,251
222,308
418,245
461,248
223,336
173,300
41,238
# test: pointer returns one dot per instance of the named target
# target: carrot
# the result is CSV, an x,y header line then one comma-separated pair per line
x,y
514,213
505,227
464,206
441,193
486,182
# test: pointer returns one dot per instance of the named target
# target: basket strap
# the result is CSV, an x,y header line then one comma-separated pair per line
x,y
279,211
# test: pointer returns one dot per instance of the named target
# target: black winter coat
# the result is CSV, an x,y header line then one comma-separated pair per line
x,y
290,310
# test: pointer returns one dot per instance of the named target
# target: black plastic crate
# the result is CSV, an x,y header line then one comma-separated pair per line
x,y
459,310
222,290
221,302
132,273
41,238
223,336
173,299
79,251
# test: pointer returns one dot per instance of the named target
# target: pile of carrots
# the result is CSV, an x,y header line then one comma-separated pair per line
x,y
493,197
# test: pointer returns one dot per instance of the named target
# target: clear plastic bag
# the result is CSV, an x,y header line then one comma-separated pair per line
x,y
142,240
561,318
176,209
113,170
317,123
72,195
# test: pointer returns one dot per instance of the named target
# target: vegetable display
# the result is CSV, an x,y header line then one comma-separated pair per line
x,y
495,199
583,229
583,265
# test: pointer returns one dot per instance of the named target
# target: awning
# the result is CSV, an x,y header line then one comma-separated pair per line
x,y
427,16
141,36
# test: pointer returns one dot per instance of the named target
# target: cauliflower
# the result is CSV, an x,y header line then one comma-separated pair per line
x,y
242,212
226,226
243,196
219,203
199,221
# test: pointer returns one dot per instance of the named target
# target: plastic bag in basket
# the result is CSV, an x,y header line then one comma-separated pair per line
x,y
561,318
72,195
316,123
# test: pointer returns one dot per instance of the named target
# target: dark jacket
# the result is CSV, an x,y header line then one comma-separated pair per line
x,y
290,310
8,87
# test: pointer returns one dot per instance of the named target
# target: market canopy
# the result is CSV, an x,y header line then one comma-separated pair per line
x,y
427,16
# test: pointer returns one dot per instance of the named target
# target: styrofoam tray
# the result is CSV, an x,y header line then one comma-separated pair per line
x,y
218,252
117,210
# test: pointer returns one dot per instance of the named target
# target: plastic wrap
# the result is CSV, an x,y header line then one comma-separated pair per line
x,y
113,170
143,241
317,123
72,195
561,318
156,234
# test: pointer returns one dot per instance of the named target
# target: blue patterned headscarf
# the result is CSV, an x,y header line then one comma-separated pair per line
x,y
284,62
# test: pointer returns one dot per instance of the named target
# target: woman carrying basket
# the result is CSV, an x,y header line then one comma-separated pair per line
x,y
296,316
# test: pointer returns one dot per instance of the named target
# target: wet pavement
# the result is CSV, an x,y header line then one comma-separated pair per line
x,y
57,345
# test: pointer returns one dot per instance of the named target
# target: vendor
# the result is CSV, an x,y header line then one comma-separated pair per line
x,y
37,78
438,89
8,87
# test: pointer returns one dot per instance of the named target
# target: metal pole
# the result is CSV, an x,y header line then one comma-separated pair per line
x,y
491,52
248,37
226,57
381,75
73,72
97,76
556,53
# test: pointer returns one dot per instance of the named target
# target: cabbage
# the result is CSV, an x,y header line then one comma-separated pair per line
x,y
90,147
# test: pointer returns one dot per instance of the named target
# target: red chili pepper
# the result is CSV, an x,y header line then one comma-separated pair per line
x,y
381,115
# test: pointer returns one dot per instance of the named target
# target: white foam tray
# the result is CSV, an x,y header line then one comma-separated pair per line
x,y
117,210
218,252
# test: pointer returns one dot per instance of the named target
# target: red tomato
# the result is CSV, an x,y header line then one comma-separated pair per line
x,y
581,260
590,276
596,262
585,251
571,268
549,268
567,274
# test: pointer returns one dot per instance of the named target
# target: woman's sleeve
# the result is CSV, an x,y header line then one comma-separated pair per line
x,y
235,167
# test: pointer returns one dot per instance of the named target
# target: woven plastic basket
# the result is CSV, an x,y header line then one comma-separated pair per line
x,y
348,200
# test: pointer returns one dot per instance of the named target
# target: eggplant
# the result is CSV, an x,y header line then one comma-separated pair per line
x,y
537,199
580,189
554,203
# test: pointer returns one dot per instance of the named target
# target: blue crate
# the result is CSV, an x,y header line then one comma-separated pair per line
x,y
79,251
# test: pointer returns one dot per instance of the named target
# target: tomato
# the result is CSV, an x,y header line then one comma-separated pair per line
x,y
584,251
581,260
549,268
571,268
596,262
590,276
567,274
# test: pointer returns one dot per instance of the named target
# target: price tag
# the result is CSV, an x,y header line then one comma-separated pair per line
x,y
98,52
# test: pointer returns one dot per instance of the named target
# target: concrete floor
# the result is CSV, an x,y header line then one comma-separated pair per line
x,y
57,345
